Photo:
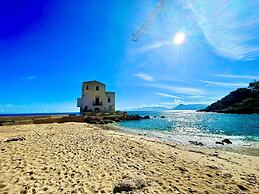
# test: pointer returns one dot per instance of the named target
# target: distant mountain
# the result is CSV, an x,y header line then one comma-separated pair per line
x,y
148,109
178,107
190,107
241,101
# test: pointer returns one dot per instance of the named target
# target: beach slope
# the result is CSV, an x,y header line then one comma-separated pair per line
x,y
83,158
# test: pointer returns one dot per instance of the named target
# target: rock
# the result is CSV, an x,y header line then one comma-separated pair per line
x,y
216,154
105,119
196,143
213,167
93,122
128,185
102,122
227,141
17,138
227,175
162,117
137,117
197,151
108,121
219,142
134,117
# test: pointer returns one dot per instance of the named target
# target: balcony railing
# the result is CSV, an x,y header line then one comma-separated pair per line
x,y
97,103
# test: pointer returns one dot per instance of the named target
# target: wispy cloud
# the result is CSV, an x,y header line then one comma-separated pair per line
x,y
150,47
197,96
172,103
145,77
237,76
167,95
225,84
29,77
178,89
151,105
230,27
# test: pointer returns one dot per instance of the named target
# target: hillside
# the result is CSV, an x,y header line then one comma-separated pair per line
x,y
147,108
178,107
241,101
189,107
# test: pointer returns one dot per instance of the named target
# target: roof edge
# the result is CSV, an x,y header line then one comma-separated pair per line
x,y
91,81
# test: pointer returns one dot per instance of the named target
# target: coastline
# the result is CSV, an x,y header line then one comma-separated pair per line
x,y
156,136
84,158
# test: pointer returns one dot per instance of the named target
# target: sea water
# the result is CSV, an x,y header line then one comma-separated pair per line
x,y
186,126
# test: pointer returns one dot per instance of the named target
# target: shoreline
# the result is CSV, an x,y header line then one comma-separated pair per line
x,y
84,158
240,149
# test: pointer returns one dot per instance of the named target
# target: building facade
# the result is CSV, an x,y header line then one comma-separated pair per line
x,y
95,98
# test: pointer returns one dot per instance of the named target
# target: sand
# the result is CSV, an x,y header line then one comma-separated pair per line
x,y
83,158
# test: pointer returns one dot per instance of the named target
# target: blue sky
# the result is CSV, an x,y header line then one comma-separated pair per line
x,y
48,48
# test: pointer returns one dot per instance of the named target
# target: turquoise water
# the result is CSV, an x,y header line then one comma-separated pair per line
x,y
185,126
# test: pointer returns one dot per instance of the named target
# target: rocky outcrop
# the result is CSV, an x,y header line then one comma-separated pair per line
x,y
240,101
146,117
17,138
224,141
227,141
91,118
196,143
129,185
113,118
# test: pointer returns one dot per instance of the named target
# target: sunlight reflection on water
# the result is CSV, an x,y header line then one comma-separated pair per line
x,y
183,126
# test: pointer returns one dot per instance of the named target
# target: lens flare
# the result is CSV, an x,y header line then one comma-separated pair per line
x,y
179,38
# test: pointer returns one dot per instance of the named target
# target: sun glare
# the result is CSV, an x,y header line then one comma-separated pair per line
x,y
179,38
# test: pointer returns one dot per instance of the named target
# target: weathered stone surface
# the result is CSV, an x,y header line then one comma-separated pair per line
x,y
16,138
128,185
196,143
227,141
104,119
97,118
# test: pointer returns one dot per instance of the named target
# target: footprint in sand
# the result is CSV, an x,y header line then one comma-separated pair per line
x,y
2,185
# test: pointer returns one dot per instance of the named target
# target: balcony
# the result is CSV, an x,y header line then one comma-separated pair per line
x,y
97,103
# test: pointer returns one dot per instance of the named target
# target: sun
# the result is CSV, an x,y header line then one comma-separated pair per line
x,y
179,38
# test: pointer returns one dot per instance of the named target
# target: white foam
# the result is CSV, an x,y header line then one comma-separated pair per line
x,y
185,137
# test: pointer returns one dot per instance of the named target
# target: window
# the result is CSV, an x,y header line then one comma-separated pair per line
x,y
86,87
109,100
97,88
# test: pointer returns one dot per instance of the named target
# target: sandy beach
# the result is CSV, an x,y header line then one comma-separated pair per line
x,y
84,158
